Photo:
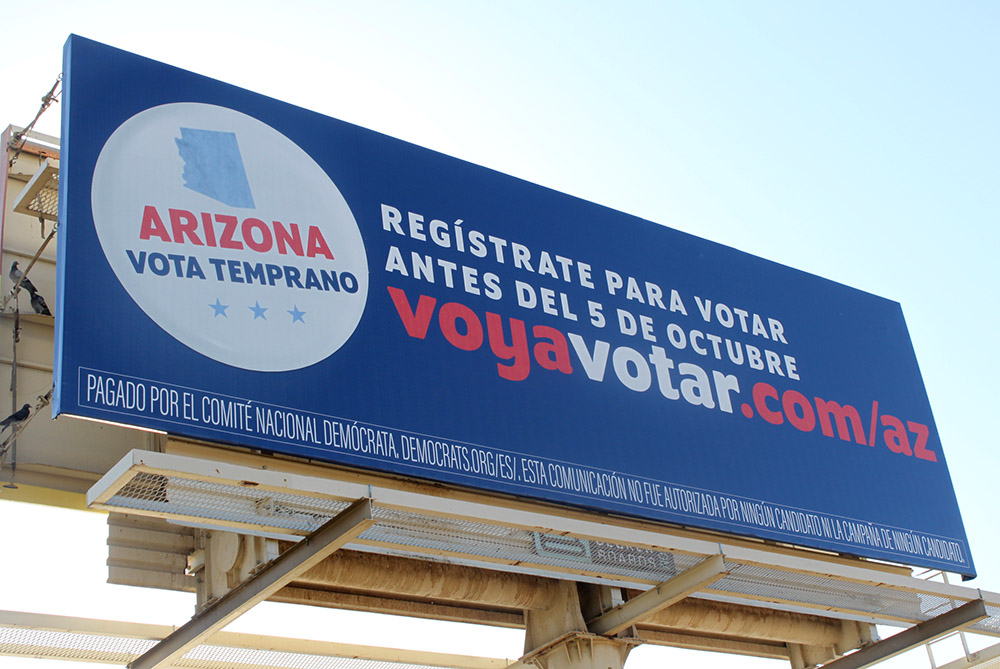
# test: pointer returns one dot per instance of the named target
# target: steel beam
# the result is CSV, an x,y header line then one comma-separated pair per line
x,y
919,634
669,592
351,522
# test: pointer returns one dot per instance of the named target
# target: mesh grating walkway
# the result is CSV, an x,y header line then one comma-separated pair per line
x,y
40,197
299,515
245,499
57,645
60,638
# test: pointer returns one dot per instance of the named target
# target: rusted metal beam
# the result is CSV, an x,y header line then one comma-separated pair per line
x,y
351,522
919,634
663,595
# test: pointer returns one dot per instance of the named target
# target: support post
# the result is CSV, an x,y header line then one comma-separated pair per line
x,y
557,637
351,522
13,393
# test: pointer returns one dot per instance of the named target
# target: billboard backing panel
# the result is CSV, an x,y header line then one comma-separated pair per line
x,y
236,269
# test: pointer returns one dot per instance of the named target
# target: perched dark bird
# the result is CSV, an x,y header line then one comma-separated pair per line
x,y
16,274
18,416
38,304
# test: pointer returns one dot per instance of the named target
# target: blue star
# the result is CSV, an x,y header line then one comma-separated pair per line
x,y
220,308
258,311
296,314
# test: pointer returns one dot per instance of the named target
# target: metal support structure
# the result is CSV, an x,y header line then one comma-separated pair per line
x,y
11,440
13,395
961,633
15,288
557,637
223,560
579,650
976,659
919,634
669,592
20,137
344,527
868,593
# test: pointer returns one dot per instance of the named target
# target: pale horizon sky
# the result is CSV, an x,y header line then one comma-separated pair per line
x,y
855,141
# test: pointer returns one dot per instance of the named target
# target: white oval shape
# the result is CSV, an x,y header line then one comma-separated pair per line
x,y
242,298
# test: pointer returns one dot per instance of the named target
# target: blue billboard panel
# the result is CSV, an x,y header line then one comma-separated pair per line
x,y
236,269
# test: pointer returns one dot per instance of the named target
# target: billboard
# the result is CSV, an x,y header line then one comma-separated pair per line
x,y
240,270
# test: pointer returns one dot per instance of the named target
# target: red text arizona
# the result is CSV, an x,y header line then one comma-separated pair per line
x,y
228,232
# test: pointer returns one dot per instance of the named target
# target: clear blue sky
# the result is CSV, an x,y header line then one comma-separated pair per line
x,y
858,141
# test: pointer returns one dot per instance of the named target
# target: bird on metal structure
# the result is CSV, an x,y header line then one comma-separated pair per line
x,y
18,416
16,274
38,304
37,301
